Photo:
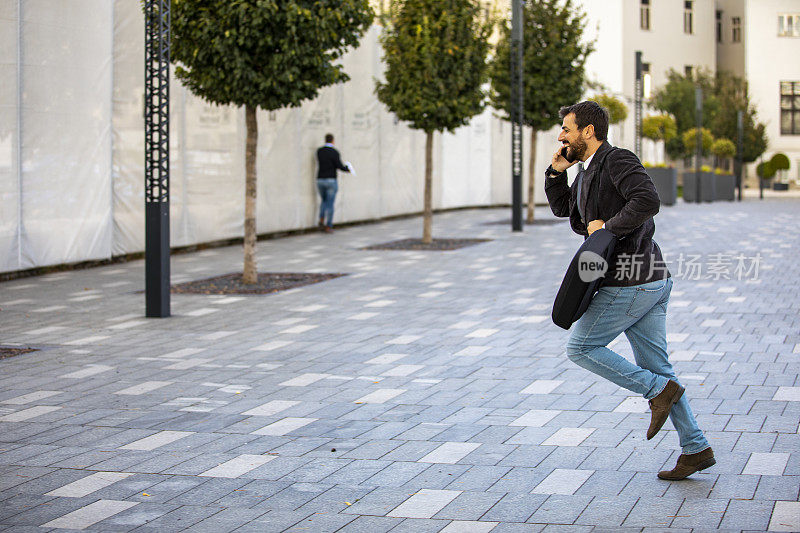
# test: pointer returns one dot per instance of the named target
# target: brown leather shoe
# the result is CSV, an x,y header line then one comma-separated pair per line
x,y
661,405
689,464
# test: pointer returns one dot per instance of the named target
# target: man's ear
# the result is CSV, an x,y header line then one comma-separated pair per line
x,y
588,131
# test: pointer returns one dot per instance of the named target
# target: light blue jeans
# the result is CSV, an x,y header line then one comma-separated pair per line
x,y
641,312
327,188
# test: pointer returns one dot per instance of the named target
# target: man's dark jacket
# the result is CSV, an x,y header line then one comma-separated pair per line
x,y
329,161
627,201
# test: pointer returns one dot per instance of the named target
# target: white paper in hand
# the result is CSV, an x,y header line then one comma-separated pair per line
x,y
350,168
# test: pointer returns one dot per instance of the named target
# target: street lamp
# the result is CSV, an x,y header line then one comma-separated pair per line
x,y
516,115
156,157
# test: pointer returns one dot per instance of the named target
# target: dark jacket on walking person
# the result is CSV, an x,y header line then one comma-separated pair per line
x,y
626,200
329,162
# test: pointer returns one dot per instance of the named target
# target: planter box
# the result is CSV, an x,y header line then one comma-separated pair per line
x,y
777,186
708,187
666,182
725,187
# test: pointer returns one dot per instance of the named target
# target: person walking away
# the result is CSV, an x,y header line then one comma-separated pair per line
x,y
328,162
614,192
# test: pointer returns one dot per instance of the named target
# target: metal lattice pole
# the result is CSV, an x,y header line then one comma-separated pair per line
x,y
637,106
156,157
516,116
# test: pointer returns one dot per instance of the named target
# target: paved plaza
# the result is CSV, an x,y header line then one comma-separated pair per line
x,y
422,392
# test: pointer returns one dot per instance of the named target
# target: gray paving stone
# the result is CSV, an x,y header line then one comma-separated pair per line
x,y
737,377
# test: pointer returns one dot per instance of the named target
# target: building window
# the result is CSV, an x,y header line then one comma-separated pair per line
x,y
688,70
789,25
644,15
646,80
736,24
688,22
790,108
719,26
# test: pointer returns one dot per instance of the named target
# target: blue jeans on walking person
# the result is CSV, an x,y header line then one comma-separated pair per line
x,y
641,312
327,188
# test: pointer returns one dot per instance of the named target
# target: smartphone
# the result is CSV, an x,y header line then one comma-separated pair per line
x,y
565,156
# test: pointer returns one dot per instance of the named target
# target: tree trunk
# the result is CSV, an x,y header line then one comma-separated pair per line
x,y
532,178
427,214
250,275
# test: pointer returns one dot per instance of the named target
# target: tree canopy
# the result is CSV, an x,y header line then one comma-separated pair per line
x,y
435,55
617,110
264,53
723,95
554,56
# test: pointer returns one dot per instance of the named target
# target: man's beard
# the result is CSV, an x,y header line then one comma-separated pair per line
x,y
576,150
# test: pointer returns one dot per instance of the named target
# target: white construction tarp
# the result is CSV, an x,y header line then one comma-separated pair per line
x,y
71,105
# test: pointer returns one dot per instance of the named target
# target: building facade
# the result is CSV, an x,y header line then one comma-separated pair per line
x,y
760,41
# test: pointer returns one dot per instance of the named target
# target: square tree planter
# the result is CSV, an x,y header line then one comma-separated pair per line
x,y
666,182
725,187
778,186
708,187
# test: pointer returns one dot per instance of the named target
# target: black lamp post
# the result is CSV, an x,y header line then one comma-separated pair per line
x,y
516,115
156,157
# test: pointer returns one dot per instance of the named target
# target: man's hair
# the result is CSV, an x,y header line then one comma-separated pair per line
x,y
586,113
329,137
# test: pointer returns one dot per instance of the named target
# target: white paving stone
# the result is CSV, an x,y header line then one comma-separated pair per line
x,y
217,335
156,440
284,426
89,484
683,355
404,339
91,370
482,333
633,404
143,388
87,340
186,364
303,380
450,452
542,386
183,352
203,311
270,408
386,359
712,323
568,437
271,345
27,414
127,324
787,394
91,514
785,517
563,481
425,503
402,370
535,418
380,396
238,465
302,328
468,526
676,337
31,397
766,464
472,351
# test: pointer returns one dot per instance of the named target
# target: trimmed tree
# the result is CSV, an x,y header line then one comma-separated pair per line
x,y
435,55
553,70
723,150
266,54
659,127
689,139
617,110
